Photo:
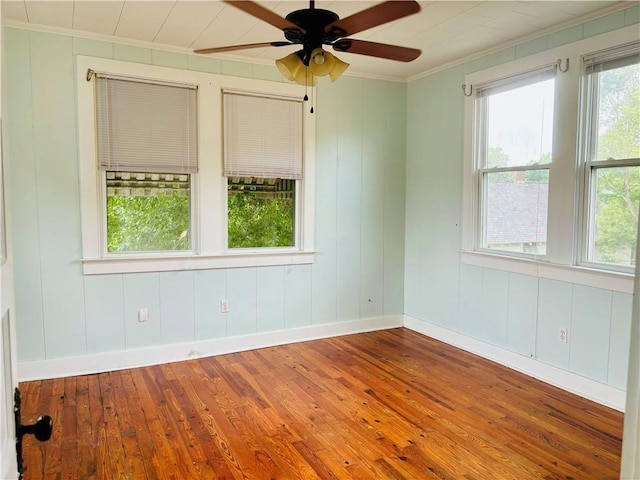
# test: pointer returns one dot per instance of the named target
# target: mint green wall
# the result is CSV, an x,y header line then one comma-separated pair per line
x,y
516,312
360,185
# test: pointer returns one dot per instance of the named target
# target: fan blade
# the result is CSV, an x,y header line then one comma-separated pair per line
x,y
372,17
374,49
264,14
242,47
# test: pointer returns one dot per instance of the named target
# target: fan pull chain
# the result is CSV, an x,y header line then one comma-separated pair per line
x,y
312,100
306,86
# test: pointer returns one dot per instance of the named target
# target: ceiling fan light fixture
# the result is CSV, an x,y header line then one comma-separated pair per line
x,y
289,65
322,63
338,69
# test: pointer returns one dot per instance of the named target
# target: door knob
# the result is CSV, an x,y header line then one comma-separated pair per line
x,y
41,429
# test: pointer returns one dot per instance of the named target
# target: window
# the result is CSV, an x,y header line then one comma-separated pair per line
x,y
612,155
147,151
513,152
551,183
155,192
263,160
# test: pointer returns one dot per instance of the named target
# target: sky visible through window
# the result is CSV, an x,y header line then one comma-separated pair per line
x,y
520,123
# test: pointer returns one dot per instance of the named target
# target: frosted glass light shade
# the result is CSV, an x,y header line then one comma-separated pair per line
x,y
305,77
338,69
289,65
321,62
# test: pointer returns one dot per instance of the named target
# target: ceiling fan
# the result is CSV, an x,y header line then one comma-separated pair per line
x,y
311,28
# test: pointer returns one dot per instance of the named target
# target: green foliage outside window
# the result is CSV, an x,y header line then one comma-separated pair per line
x,y
256,220
147,223
617,203
618,189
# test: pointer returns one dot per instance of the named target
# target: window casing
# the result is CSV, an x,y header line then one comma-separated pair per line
x,y
566,257
207,186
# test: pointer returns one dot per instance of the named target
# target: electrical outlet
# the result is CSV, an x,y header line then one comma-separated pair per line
x,y
143,314
563,335
224,306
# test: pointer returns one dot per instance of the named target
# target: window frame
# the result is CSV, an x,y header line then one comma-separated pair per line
x,y
588,167
563,260
480,132
297,233
208,185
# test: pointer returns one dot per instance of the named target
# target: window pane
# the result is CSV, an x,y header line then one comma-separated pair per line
x,y
618,114
520,125
516,211
147,212
615,220
261,212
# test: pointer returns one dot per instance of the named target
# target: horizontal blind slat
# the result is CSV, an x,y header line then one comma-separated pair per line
x,y
618,57
515,81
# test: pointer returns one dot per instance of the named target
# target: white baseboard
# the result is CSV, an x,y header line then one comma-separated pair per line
x,y
574,383
104,362
141,357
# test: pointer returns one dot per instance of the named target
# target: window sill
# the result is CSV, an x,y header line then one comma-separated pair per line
x,y
616,281
139,264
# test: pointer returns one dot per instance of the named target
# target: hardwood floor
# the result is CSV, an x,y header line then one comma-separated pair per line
x,y
390,405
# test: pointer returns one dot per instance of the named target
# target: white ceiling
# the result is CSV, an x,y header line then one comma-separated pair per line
x,y
445,31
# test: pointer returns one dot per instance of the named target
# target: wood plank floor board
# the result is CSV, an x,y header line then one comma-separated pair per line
x,y
150,465
69,444
126,421
53,456
84,439
390,404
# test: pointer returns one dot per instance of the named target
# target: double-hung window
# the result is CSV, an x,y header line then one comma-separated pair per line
x,y
513,152
147,154
263,165
611,152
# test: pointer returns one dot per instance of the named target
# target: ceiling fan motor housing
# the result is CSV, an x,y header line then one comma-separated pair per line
x,y
313,23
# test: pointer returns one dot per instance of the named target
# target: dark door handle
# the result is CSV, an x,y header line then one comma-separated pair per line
x,y
41,429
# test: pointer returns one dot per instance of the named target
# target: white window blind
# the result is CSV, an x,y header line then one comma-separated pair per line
x,y
146,126
609,59
516,81
262,136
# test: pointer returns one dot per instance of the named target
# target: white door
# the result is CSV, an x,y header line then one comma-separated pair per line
x,y
8,373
